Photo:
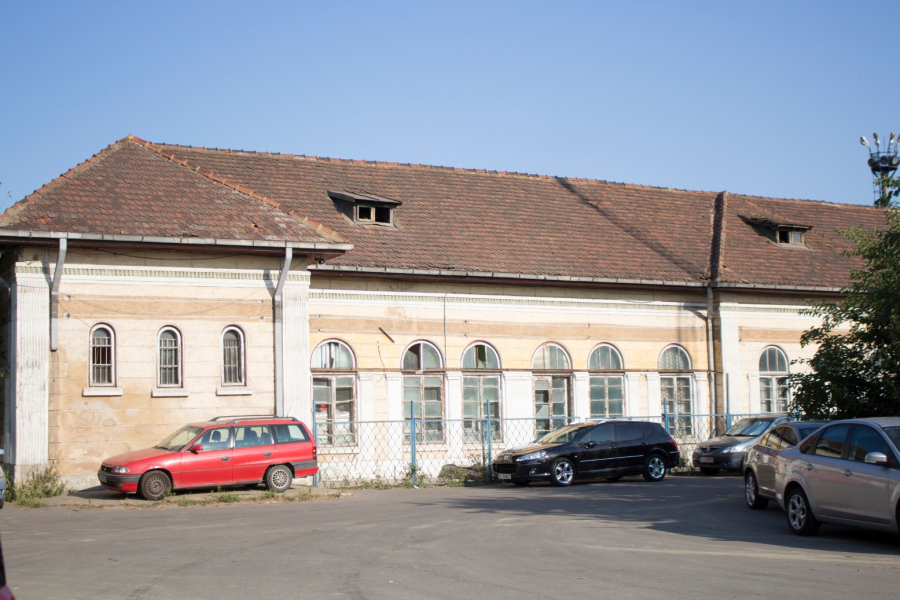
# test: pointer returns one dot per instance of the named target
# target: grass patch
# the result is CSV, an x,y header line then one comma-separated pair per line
x,y
33,491
229,498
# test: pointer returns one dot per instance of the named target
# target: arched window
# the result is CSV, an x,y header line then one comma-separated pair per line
x,y
423,394
674,358
103,356
169,366
774,390
676,390
334,393
233,362
607,391
551,392
332,355
481,393
550,357
480,356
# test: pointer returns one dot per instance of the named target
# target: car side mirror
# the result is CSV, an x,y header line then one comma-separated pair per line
x,y
876,458
590,444
196,448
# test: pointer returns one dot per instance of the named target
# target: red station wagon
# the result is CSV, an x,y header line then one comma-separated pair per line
x,y
236,450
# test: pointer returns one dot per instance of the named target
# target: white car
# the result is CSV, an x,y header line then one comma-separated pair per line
x,y
847,473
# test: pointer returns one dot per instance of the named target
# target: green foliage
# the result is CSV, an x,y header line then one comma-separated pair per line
x,y
32,491
856,370
411,475
229,498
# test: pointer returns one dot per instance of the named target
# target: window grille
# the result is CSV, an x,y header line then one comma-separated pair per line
x,y
674,358
423,397
774,391
607,397
101,357
605,358
549,358
551,403
232,358
481,400
335,403
169,359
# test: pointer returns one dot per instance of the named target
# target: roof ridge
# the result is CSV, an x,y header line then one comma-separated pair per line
x,y
318,228
378,163
89,162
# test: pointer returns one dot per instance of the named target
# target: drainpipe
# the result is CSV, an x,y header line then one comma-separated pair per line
x,y
54,295
710,350
279,334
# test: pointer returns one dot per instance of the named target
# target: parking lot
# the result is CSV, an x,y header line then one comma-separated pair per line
x,y
684,537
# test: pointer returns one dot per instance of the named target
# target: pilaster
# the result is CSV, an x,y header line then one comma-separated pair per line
x,y
581,400
632,394
297,377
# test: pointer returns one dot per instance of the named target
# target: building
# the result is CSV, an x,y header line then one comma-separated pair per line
x,y
154,285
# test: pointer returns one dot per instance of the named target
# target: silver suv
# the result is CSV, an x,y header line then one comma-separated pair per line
x,y
848,473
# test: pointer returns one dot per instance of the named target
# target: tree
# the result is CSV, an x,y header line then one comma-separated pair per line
x,y
856,372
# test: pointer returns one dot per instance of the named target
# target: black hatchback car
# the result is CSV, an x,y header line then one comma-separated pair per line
x,y
609,449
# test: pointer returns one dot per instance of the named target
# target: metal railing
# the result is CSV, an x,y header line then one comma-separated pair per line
x,y
382,453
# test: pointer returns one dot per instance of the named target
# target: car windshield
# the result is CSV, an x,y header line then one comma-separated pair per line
x,y
894,434
179,439
749,427
560,436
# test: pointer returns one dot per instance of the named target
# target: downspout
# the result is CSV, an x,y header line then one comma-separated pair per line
x,y
54,295
710,350
279,333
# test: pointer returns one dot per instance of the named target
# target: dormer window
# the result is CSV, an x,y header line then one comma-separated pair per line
x,y
367,209
790,236
777,230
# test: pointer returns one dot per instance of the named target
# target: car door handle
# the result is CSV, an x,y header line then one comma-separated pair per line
x,y
847,472
267,454
226,458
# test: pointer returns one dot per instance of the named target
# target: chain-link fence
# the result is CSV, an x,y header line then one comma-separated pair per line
x,y
376,453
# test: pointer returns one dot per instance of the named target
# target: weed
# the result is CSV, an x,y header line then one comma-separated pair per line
x,y
229,498
411,475
31,492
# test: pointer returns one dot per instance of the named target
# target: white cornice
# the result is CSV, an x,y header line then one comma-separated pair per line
x,y
181,276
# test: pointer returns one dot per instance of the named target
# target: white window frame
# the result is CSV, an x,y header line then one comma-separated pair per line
x,y
180,366
775,381
595,375
330,426
113,356
242,350
472,426
420,374
679,422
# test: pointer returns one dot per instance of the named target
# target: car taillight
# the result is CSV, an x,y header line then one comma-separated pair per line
x,y
672,443
314,452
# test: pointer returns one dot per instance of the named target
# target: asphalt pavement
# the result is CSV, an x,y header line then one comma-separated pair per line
x,y
685,537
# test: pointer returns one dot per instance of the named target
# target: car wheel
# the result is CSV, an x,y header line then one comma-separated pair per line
x,y
709,471
800,517
279,478
751,493
521,482
155,485
654,468
562,472
613,479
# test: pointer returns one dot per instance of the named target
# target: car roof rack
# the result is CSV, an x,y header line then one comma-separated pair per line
x,y
236,418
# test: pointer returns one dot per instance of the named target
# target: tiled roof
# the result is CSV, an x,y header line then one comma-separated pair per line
x,y
135,188
457,221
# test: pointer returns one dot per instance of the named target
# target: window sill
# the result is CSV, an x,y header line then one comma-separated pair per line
x,y
170,393
101,391
236,390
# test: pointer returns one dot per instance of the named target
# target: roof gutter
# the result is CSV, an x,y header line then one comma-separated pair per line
x,y
279,333
19,235
54,295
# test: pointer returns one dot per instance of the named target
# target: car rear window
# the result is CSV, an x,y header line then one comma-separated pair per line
x,y
290,434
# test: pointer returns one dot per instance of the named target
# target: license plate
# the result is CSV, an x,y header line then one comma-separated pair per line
x,y
706,459
504,476
103,478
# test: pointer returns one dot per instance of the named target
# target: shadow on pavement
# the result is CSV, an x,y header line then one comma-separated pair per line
x,y
712,508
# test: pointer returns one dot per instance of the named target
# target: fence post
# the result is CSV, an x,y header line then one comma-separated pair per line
x,y
315,433
666,415
412,444
490,450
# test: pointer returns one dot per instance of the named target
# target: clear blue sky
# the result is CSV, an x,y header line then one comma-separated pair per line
x,y
764,98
